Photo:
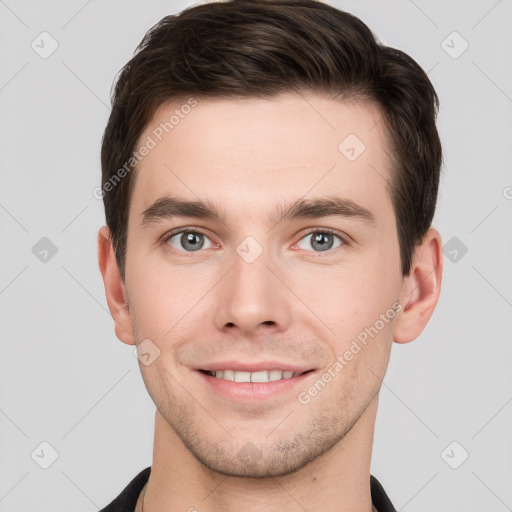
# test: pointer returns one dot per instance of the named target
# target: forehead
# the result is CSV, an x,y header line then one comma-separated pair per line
x,y
254,153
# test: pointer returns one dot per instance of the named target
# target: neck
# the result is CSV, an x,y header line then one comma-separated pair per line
x,y
338,480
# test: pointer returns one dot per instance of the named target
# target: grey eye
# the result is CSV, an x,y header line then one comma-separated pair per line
x,y
190,241
321,241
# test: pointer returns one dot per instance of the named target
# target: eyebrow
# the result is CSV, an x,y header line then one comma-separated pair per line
x,y
170,206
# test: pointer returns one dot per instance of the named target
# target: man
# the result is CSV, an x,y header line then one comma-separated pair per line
x,y
270,175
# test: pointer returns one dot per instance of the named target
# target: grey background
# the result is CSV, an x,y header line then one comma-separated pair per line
x,y
66,380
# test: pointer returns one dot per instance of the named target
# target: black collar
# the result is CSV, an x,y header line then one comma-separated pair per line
x,y
127,500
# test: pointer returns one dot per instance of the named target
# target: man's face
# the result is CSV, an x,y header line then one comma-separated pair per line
x,y
253,288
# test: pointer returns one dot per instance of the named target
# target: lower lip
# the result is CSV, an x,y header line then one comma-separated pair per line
x,y
253,390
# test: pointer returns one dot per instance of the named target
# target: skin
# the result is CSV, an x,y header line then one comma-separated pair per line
x,y
294,303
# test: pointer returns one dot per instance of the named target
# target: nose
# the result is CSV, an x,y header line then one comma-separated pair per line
x,y
253,297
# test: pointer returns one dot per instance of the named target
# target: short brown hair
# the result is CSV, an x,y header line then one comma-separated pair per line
x,y
259,48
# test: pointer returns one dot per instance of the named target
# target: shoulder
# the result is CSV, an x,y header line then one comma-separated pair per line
x,y
380,499
127,500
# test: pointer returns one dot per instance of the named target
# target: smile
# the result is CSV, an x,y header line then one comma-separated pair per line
x,y
242,386
259,376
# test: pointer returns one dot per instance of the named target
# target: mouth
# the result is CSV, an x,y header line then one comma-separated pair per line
x,y
261,376
245,386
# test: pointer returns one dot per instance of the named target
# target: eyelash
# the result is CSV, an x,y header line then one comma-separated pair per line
x,y
171,234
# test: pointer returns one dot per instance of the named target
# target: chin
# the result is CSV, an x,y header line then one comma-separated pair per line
x,y
273,460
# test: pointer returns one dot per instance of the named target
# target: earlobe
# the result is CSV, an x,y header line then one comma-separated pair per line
x,y
421,288
115,290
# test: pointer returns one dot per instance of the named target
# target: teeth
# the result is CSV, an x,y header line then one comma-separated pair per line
x,y
226,374
275,375
242,376
261,376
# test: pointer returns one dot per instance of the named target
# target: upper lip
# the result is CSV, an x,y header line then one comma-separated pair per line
x,y
254,367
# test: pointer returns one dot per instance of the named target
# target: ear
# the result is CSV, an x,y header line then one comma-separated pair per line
x,y
115,290
420,289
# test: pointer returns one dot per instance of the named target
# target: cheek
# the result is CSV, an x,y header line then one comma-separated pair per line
x,y
153,283
168,303
350,296
354,313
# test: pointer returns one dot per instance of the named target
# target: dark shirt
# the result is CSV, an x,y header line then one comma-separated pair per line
x,y
127,500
